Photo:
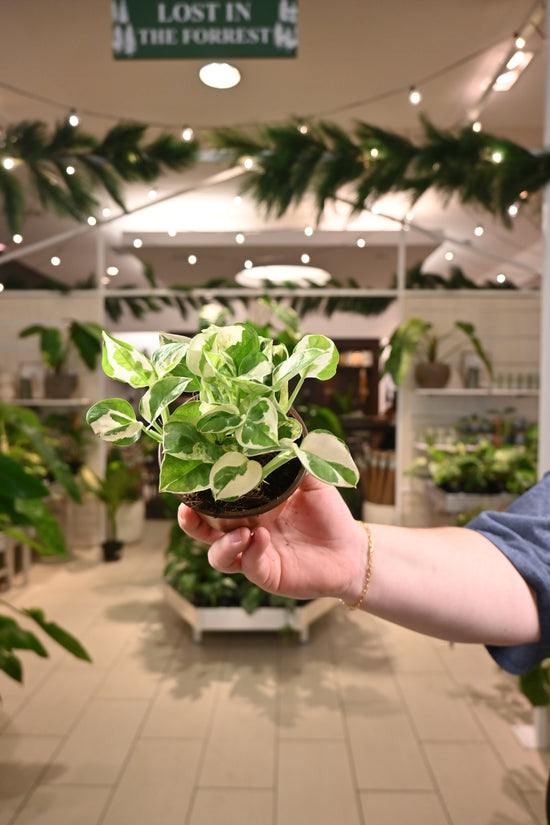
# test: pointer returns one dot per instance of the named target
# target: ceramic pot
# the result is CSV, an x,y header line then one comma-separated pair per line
x,y
432,374
62,385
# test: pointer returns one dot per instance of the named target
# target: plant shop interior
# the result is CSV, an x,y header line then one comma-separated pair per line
x,y
375,173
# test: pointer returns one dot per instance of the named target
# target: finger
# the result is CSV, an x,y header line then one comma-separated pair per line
x,y
191,523
226,553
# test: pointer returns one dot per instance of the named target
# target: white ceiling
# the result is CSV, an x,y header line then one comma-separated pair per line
x,y
356,61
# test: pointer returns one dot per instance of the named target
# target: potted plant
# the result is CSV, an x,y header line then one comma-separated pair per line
x,y
465,478
55,348
415,340
235,447
120,485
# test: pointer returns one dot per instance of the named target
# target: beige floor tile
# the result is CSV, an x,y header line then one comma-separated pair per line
x,y
375,689
474,786
436,708
240,748
404,807
94,751
23,759
315,785
386,754
412,652
537,805
71,805
309,703
185,701
157,784
52,709
232,807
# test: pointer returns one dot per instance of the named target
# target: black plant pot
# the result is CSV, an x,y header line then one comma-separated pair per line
x,y
112,550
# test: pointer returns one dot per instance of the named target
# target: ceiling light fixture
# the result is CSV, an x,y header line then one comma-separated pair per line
x,y
219,75
514,66
304,276
414,96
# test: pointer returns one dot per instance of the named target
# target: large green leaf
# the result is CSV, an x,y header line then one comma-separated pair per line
x,y
58,634
17,483
125,363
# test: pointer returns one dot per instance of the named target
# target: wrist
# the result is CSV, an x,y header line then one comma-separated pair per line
x,y
361,570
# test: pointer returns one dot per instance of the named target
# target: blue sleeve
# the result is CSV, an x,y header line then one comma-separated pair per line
x,y
522,533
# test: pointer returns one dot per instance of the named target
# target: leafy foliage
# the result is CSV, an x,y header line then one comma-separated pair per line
x,y
121,156
241,411
480,169
55,345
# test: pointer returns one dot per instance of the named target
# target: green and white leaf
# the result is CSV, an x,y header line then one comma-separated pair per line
x,y
182,439
317,357
233,476
327,458
125,363
168,356
160,395
183,476
114,420
219,418
259,430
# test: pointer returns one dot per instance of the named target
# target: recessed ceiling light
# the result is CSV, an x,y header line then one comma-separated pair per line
x,y
219,75
283,273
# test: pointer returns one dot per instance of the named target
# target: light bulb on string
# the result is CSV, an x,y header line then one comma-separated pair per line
x,y
248,264
361,243
17,238
73,118
519,41
449,255
476,126
478,231
501,277
92,221
106,212
239,237
70,170
112,271
305,259
137,243
8,163
513,210
308,231
55,260
414,96
192,259
187,133
303,128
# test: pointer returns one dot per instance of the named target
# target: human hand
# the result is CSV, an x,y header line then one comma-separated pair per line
x,y
314,548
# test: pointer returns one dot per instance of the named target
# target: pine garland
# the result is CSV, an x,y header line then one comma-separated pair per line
x,y
65,168
321,158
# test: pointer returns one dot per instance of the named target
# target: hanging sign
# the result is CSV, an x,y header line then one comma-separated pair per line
x,y
142,29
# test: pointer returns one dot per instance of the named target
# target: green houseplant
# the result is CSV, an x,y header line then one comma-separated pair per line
x,y
28,460
56,344
121,484
224,447
415,340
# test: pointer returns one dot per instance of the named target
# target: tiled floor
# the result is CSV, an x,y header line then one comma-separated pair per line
x,y
368,724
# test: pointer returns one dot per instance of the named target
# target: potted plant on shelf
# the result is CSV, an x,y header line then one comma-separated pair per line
x,y
465,478
235,448
55,347
415,341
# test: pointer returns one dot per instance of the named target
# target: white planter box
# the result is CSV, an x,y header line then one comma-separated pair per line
x,y
203,619
455,503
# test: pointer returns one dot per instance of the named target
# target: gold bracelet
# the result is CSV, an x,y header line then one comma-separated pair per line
x,y
370,551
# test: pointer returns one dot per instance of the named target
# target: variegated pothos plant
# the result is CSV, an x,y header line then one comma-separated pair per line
x,y
238,409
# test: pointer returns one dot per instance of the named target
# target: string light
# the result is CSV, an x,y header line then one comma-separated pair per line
x,y
449,255
519,41
308,231
137,243
112,271
172,233
414,96
187,133
92,221
303,128
496,157
501,277
55,260
305,258
70,170
152,194
248,264
478,231
237,200
8,163
513,210
105,211
361,243
239,237
374,152
17,238
476,126
192,259
73,118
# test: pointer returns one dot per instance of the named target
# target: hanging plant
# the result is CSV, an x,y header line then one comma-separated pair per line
x,y
66,167
288,161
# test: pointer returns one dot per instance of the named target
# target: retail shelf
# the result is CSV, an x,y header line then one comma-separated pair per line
x,y
478,392
49,402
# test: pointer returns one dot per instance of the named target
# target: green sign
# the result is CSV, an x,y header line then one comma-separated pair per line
x,y
146,29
